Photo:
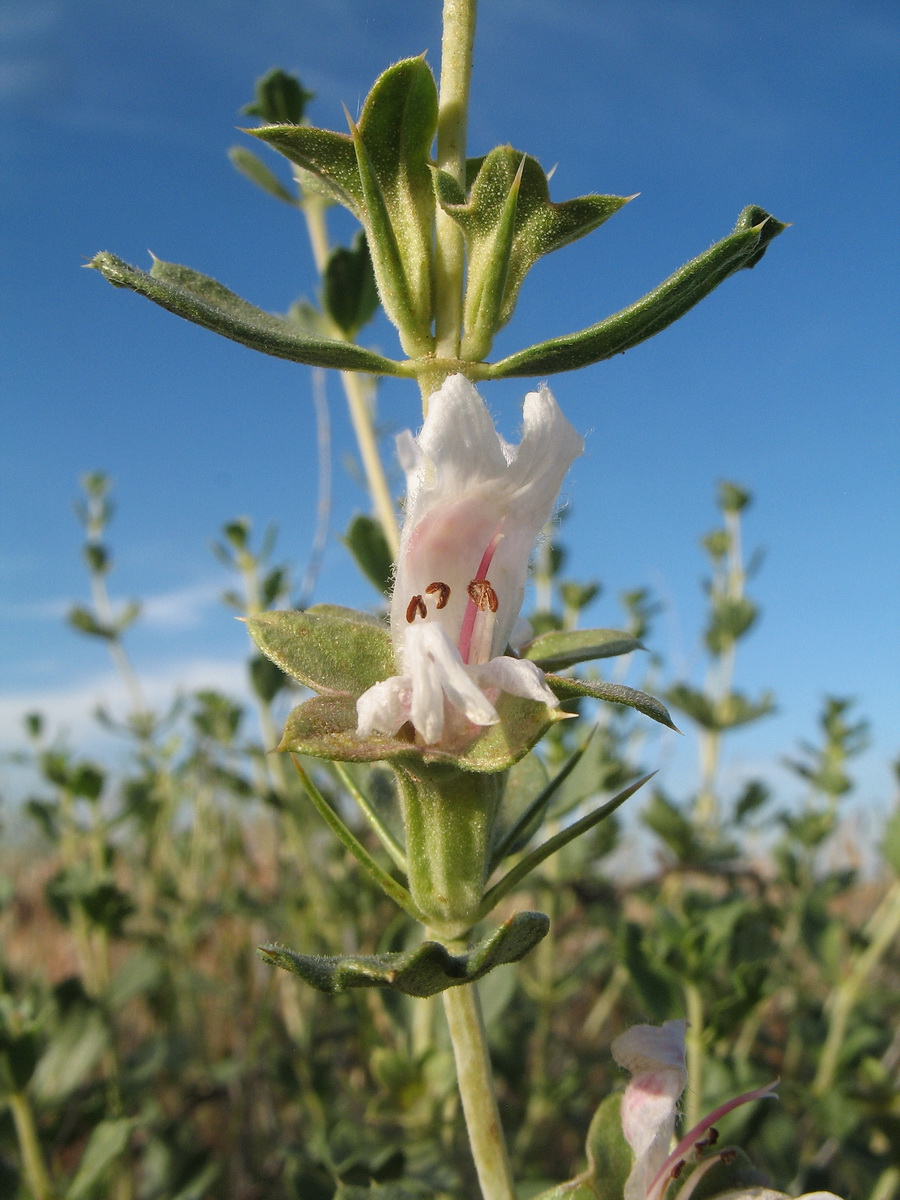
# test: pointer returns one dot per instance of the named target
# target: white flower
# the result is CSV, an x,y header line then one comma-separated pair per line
x,y
474,508
655,1058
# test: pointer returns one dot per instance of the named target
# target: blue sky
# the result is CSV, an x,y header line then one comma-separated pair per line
x,y
117,119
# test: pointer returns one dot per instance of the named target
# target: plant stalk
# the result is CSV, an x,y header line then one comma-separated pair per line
x,y
453,115
35,1169
883,928
476,1089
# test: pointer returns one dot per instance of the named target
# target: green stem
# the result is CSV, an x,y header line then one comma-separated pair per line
x,y
695,1054
36,1173
882,929
361,416
453,114
476,1089
313,208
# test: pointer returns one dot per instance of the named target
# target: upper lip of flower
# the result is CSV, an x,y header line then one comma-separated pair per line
x,y
475,505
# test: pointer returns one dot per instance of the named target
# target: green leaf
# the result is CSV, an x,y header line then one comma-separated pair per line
x,y
615,693
726,712
279,97
609,1159
428,969
106,1143
349,293
890,846
609,1156
325,727
744,247
396,129
253,168
397,892
333,655
558,649
534,859
84,621
658,991
529,819
327,161
202,300
74,1050
366,542
504,240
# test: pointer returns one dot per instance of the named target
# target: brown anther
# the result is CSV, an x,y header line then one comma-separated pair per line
x,y
710,1140
483,594
443,593
678,1168
728,1156
415,608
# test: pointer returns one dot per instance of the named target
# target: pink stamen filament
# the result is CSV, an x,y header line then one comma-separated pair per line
x,y
690,1139
472,610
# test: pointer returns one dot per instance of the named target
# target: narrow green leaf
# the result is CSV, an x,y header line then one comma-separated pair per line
x,y
744,247
615,693
558,649
524,868
396,891
106,1143
252,167
334,655
384,835
486,278
428,969
76,1048
202,300
521,832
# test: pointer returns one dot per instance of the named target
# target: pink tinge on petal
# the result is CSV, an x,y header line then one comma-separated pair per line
x,y
649,1107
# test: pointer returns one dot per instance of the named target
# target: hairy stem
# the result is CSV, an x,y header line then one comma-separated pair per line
x,y
476,1089
453,114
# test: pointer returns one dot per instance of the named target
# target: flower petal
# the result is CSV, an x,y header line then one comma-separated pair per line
x,y
656,1059
436,669
516,676
385,706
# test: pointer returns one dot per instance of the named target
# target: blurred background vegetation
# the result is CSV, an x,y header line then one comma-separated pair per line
x,y
146,1053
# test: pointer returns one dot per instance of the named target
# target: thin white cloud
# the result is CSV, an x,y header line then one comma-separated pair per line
x,y
69,711
181,608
